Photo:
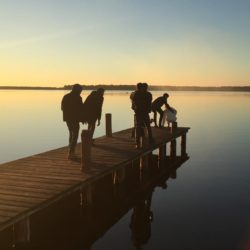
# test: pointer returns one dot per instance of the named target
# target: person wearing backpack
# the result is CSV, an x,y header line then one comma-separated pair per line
x,y
93,110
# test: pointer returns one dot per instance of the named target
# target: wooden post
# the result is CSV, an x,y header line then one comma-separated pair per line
x,y
173,149
22,231
86,148
119,176
86,195
173,127
108,125
89,194
183,145
161,155
162,152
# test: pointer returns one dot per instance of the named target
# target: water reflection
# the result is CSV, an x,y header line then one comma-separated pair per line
x,y
141,221
68,225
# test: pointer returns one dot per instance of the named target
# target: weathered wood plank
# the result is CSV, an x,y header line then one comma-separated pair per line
x,y
33,183
4,218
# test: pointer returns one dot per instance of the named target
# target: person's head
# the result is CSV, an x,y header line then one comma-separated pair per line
x,y
166,95
139,86
145,86
77,88
100,91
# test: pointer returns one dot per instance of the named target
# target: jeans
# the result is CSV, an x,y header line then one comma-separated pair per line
x,y
159,110
73,134
142,120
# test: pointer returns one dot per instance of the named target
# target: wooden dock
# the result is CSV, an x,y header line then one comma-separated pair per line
x,y
31,184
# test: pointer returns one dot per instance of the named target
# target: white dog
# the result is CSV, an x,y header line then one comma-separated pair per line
x,y
169,116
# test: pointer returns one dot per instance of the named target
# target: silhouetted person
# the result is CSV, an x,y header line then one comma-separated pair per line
x,y
156,108
93,109
71,106
138,87
141,222
142,106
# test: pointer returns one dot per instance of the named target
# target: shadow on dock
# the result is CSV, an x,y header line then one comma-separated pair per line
x,y
79,220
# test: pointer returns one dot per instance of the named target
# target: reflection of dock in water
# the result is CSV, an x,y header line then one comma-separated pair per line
x,y
40,195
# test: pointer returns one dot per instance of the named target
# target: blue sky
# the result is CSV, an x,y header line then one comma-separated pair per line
x,y
178,42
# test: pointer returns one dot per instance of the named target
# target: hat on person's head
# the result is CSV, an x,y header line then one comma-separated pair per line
x,y
166,95
77,88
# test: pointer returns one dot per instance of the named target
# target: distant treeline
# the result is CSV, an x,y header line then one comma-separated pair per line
x,y
132,87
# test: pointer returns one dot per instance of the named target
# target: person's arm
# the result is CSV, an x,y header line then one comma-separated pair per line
x,y
169,107
79,108
135,101
100,112
62,103
150,102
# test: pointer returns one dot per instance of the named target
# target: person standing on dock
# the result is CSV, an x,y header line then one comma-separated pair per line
x,y
142,106
156,108
93,109
138,87
71,106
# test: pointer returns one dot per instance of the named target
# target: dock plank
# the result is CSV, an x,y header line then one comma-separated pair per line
x,y
30,184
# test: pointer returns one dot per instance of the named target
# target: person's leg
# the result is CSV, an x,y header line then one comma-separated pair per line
x,y
69,125
91,128
70,132
75,133
73,128
147,123
138,129
133,129
155,117
161,116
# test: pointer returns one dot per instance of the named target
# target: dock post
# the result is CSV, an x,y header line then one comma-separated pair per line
x,y
22,231
162,152
89,194
86,148
108,117
161,155
173,149
173,127
86,196
183,145
118,176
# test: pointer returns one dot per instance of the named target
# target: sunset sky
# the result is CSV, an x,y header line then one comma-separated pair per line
x,y
172,42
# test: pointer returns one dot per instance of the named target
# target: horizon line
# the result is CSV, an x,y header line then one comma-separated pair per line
x,y
126,85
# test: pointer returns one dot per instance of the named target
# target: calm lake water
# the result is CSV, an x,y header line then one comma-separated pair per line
x,y
206,207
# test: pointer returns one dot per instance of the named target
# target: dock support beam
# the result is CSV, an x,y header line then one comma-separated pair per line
x,y
173,127
162,152
173,149
108,117
86,148
183,145
22,231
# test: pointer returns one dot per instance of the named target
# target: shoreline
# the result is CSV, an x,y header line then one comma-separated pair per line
x,y
132,88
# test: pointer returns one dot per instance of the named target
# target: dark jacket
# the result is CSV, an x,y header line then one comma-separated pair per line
x,y
142,102
92,110
159,102
71,106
